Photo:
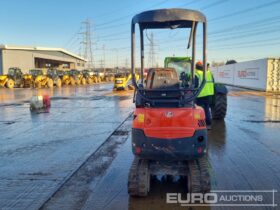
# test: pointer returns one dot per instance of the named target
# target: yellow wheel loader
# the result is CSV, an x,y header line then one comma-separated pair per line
x,y
28,81
54,75
67,80
96,78
5,81
41,79
90,76
15,78
78,77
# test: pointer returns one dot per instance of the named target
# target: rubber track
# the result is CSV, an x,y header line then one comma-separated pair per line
x,y
199,176
139,178
194,173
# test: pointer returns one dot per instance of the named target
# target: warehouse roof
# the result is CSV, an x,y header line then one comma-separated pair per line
x,y
9,47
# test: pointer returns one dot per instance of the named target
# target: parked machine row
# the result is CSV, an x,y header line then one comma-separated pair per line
x,y
48,78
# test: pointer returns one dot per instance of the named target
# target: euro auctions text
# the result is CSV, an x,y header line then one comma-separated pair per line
x,y
224,198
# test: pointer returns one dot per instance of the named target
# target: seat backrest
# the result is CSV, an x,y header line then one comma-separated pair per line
x,y
161,78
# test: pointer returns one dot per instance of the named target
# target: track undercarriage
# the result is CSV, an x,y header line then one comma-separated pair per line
x,y
141,171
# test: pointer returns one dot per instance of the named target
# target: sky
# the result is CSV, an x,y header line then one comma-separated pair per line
x,y
237,29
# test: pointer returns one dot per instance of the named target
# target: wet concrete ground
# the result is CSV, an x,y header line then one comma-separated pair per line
x,y
39,153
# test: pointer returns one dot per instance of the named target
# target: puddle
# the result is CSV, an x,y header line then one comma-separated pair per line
x,y
102,89
120,133
77,98
11,104
36,174
9,122
262,121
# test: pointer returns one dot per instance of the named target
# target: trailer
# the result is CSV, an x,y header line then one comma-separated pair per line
x,y
261,74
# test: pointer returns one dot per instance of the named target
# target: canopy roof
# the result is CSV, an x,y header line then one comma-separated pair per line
x,y
168,18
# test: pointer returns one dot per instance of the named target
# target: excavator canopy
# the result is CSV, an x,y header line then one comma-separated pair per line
x,y
168,18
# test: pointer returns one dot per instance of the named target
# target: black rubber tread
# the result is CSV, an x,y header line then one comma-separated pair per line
x,y
139,178
133,178
199,177
143,178
194,185
205,179
219,111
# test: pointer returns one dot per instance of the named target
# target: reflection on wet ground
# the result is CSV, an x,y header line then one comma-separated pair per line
x,y
243,155
24,95
38,151
244,150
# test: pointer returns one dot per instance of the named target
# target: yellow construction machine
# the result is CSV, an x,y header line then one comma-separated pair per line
x,y
90,76
123,81
41,78
67,79
15,78
77,76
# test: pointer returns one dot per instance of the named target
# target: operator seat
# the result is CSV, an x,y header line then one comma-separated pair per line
x,y
159,82
162,78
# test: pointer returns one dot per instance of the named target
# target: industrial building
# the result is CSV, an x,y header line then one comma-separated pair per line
x,y
27,58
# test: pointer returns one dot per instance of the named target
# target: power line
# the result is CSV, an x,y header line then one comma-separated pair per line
x,y
239,29
189,3
109,27
240,44
261,6
247,46
214,4
151,59
203,8
249,42
239,35
126,63
249,25
101,63
106,14
225,16
115,34
130,14
86,44
247,35
74,43
115,39
238,38
101,26
72,38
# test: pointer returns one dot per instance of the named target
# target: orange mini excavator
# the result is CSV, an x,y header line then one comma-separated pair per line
x,y
169,135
